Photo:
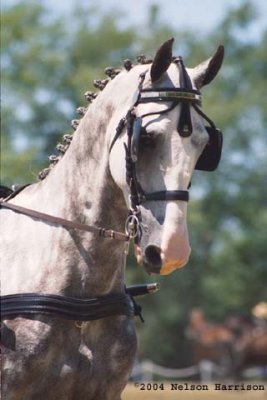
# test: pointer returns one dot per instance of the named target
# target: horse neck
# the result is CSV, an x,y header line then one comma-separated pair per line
x,y
80,188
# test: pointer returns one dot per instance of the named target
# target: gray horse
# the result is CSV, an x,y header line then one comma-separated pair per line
x,y
52,358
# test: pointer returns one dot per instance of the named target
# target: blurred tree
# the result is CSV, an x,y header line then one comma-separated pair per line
x,y
48,62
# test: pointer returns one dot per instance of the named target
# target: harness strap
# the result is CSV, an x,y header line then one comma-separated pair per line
x,y
165,195
184,127
102,232
203,115
80,309
15,191
67,307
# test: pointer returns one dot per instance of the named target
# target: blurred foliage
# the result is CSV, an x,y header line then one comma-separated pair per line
x,y
48,62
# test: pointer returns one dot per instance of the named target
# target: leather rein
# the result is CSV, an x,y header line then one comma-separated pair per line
x,y
101,232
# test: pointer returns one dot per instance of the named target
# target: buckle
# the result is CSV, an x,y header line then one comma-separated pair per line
x,y
132,226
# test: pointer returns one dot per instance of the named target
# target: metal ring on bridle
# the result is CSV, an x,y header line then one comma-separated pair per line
x,y
132,226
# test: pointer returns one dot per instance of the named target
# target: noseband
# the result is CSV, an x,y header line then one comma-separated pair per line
x,y
186,96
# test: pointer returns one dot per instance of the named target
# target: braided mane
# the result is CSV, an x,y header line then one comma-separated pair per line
x,y
100,84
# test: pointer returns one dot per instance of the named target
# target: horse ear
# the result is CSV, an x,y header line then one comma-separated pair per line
x,y
162,60
205,72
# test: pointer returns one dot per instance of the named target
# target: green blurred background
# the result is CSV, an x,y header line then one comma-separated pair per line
x,y
49,57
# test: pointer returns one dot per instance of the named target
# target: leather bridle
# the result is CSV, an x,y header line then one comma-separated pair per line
x,y
185,96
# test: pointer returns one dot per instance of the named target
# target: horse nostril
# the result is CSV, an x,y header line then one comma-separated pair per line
x,y
152,256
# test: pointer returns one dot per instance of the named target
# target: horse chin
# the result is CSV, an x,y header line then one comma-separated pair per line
x,y
171,266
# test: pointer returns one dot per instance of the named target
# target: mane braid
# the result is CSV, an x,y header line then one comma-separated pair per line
x,y
100,84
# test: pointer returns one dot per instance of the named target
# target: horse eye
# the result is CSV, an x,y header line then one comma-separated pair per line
x,y
146,138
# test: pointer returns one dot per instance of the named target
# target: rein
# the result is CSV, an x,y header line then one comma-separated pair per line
x,y
101,232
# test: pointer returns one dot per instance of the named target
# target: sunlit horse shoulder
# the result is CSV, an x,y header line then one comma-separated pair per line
x,y
151,112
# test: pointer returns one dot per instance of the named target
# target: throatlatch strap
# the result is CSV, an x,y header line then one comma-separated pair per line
x,y
165,195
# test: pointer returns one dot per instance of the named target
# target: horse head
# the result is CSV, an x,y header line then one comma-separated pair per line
x,y
164,132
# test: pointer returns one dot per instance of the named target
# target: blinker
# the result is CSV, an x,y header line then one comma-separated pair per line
x,y
137,126
211,155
